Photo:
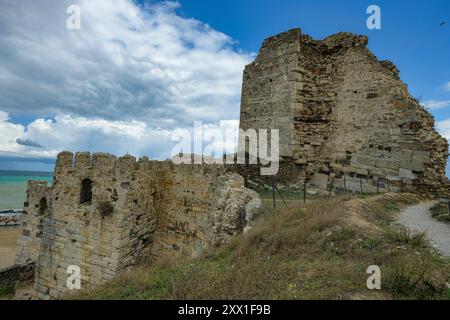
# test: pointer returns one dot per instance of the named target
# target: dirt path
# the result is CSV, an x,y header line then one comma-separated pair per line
x,y
8,243
418,218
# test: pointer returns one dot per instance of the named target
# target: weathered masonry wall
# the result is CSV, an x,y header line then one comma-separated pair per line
x,y
104,214
35,210
340,111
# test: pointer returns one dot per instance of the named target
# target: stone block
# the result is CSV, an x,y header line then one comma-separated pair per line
x,y
414,166
406,173
364,160
387,163
320,180
336,166
300,161
352,184
402,155
421,156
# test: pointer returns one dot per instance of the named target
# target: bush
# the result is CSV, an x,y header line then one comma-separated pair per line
x,y
412,277
105,208
6,290
403,235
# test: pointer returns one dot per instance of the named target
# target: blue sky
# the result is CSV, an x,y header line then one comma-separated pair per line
x,y
115,84
411,35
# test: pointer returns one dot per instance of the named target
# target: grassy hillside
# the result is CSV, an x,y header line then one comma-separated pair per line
x,y
320,250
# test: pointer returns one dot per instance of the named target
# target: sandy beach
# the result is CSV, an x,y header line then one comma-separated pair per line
x,y
8,242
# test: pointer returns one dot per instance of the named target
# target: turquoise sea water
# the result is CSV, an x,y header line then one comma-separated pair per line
x,y
13,186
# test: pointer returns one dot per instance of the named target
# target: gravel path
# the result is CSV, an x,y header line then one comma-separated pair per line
x,y
417,218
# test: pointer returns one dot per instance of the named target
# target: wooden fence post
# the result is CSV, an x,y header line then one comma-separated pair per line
x,y
273,191
331,187
281,196
304,191
360,185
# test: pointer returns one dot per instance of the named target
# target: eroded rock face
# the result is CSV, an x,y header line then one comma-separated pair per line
x,y
104,214
341,111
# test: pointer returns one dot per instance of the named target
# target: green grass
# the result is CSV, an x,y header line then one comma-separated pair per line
x,y
6,291
402,235
320,250
440,212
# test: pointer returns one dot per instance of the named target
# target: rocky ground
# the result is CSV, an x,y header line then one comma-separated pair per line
x,y
6,220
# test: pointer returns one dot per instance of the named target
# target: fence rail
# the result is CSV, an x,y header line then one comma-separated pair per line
x,y
381,182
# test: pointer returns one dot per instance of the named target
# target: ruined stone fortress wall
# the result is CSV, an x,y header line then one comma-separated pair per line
x,y
340,111
138,210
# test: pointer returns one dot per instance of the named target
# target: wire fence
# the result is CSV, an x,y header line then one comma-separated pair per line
x,y
301,195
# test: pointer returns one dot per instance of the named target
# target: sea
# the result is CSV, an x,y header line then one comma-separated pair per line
x,y
13,186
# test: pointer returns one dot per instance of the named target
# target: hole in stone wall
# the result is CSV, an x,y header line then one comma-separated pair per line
x,y
86,191
42,206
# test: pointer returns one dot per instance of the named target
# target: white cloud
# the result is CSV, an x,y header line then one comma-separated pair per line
x,y
78,133
444,128
447,86
127,62
120,84
98,135
436,104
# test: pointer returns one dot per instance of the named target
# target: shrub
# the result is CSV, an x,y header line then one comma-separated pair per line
x,y
440,212
412,277
105,208
403,235
6,290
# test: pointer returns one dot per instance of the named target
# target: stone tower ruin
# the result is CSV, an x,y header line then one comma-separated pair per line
x,y
342,115
104,214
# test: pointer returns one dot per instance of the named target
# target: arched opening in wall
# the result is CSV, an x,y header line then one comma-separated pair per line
x,y
86,191
42,206
42,212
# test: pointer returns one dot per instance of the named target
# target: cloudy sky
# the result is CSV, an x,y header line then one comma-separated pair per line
x,y
137,70
120,84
